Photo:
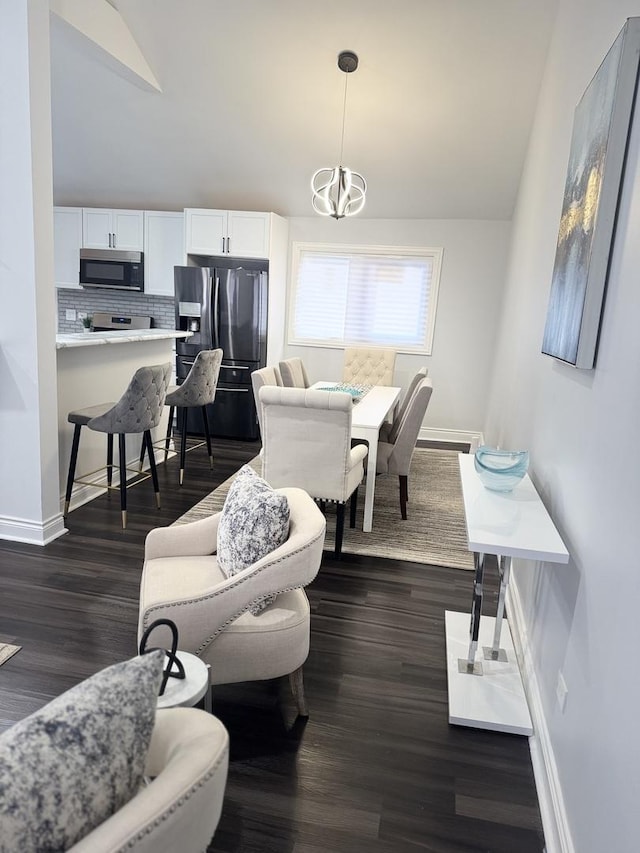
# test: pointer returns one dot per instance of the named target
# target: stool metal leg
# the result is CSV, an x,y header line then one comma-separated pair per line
x,y
123,477
110,459
183,441
207,435
167,440
72,466
146,438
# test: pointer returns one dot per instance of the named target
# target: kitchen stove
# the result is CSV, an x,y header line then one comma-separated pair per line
x,y
109,322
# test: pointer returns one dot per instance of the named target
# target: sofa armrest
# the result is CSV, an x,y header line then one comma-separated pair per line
x,y
195,539
180,808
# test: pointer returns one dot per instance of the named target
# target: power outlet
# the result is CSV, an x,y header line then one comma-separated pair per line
x,y
561,692
70,314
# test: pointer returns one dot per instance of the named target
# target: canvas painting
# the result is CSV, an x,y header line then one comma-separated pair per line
x,y
601,129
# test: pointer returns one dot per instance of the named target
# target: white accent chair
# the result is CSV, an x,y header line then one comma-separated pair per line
x,y
307,444
385,429
260,378
179,810
369,365
181,581
394,455
294,374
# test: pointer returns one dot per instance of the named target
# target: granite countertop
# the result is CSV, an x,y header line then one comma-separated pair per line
x,y
119,336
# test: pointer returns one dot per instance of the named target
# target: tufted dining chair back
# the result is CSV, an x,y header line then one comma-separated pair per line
x,y
369,365
307,444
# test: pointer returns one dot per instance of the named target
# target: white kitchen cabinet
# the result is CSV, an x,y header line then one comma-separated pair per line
x,y
238,233
103,228
67,240
163,250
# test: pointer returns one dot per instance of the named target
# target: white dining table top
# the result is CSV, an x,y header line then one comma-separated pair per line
x,y
370,411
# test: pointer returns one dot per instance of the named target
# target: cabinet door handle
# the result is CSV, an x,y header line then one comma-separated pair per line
x,y
228,245
223,245
114,240
110,246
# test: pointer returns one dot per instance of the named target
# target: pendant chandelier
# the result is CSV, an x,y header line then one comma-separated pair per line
x,y
339,192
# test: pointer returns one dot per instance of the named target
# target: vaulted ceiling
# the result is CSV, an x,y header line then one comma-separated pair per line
x,y
438,112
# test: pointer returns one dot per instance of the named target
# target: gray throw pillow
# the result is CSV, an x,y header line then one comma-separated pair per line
x,y
254,521
68,767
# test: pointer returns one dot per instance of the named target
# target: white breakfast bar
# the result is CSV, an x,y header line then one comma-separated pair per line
x,y
489,694
96,367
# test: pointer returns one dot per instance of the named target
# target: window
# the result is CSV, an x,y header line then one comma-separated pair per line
x,y
364,295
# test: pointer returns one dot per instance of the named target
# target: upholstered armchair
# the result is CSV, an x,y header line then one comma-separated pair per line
x,y
294,374
369,365
394,455
182,581
306,443
260,378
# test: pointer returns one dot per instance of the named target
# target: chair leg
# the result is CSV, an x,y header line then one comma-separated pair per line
x,y
353,509
167,440
122,452
339,529
207,435
152,464
297,688
404,492
183,441
110,460
72,467
143,448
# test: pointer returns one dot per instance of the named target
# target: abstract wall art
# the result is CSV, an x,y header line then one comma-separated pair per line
x,y
601,128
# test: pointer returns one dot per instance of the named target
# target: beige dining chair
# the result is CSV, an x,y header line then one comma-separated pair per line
x,y
385,429
369,365
260,378
294,374
307,444
394,454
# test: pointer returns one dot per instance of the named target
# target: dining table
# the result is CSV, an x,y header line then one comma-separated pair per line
x,y
370,411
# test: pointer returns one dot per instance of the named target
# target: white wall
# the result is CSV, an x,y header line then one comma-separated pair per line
x,y
581,619
29,497
472,280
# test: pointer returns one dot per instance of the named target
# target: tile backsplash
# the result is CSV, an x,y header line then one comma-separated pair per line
x,y
161,308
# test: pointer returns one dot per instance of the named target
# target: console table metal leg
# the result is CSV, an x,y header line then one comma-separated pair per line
x,y
469,665
495,652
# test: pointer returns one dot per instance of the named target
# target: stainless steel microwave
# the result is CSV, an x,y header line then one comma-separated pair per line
x,y
111,268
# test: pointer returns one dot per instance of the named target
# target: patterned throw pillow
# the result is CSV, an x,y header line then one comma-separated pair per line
x,y
254,522
67,768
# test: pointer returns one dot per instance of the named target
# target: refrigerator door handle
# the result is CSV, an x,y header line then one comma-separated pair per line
x,y
241,390
235,366
216,320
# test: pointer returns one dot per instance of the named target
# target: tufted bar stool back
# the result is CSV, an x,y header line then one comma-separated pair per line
x,y
369,365
137,411
197,391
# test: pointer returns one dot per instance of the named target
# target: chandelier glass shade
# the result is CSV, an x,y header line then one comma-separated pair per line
x,y
339,191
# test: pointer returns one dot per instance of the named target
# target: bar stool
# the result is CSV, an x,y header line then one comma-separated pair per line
x,y
197,391
137,411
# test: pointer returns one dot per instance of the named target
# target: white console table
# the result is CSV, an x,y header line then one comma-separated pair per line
x,y
488,693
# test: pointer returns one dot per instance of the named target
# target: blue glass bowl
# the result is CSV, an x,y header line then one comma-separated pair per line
x,y
500,470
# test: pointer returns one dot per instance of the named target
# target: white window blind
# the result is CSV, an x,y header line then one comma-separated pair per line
x,y
367,295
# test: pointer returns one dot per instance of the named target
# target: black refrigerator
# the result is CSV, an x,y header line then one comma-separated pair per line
x,y
225,307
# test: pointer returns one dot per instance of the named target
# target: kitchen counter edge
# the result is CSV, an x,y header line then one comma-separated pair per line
x,y
88,339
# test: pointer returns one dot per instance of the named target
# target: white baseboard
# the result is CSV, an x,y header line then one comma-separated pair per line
x,y
453,435
32,532
552,810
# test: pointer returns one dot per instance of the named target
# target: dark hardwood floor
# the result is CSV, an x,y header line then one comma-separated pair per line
x,y
375,768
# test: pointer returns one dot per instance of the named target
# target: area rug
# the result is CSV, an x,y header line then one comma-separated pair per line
x,y
7,651
434,531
